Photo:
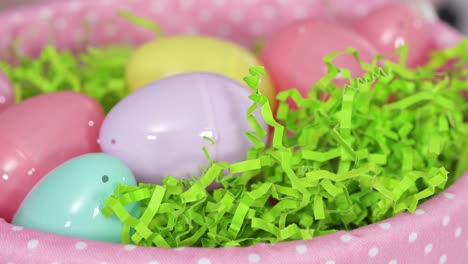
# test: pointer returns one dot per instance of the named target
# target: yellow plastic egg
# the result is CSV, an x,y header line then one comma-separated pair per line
x,y
167,56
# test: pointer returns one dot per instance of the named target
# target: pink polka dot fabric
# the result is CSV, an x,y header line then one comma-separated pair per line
x,y
436,233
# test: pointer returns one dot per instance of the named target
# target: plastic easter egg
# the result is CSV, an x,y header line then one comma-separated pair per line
x,y
68,200
444,36
39,134
181,54
160,129
7,96
393,25
294,54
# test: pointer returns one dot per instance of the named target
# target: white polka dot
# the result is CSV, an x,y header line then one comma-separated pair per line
x,y
129,247
449,195
412,237
302,30
419,212
443,259
153,262
17,18
179,248
466,243
385,226
2,99
269,12
55,262
393,261
330,262
103,262
91,123
110,30
204,261
33,243
346,238
45,13
218,2
5,176
74,6
81,245
17,228
458,232
446,220
373,252
237,16
185,4
205,16
254,258
301,249
428,248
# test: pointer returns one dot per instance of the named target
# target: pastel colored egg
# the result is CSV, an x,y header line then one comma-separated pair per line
x,y
7,96
294,54
68,200
393,25
39,134
182,54
160,129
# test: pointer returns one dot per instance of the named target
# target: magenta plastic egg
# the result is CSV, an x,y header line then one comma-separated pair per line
x,y
39,134
294,55
393,25
160,129
6,92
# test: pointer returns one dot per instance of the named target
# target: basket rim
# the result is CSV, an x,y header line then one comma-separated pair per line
x,y
451,201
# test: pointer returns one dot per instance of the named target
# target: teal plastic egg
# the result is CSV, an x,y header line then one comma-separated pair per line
x,y
68,201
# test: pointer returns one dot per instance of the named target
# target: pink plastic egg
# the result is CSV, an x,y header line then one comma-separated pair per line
x,y
39,134
6,92
294,55
393,25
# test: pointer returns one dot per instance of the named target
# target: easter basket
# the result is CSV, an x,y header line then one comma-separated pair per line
x,y
436,232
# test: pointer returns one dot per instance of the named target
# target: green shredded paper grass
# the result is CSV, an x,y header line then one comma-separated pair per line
x,y
99,73
377,147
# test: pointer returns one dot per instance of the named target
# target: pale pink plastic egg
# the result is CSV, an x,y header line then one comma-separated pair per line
x,y
39,134
294,55
393,25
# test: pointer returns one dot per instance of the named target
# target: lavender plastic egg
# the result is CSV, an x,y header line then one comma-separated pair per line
x,y
160,129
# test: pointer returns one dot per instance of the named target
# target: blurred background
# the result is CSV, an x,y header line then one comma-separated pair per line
x,y
455,12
